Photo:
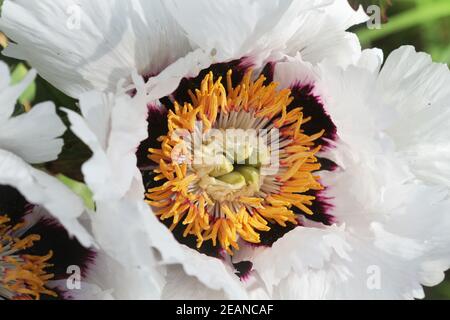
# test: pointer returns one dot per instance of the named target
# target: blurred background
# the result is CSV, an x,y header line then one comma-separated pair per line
x,y
424,24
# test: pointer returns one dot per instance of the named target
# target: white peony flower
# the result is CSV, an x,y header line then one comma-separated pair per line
x,y
355,219
358,206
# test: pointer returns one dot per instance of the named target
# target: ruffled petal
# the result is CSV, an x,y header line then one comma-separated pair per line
x,y
42,189
322,35
82,45
34,135
114,128
298,251
418,90
240,28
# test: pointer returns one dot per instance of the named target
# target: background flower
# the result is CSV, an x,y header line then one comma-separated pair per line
x,y
148,37
32,137
23,142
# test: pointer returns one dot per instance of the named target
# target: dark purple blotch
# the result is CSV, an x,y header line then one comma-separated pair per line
x,y
243,269
276,232
321,207
67,251
313,107
157,127
190,240
239,67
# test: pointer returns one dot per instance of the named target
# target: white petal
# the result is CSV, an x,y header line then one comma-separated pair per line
x,y
396,227
419,231
116,126
82,45
322,35
371,59
180,286
118,189
418,91
371,274
42,189
9,94
33,135
396,230
169,79
213,273
118,229
296,252
403,108
294,71
239,28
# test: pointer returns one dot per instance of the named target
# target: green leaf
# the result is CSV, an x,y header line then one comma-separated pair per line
x,y
428,11
80,189
19,73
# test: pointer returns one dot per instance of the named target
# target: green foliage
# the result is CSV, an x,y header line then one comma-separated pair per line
x,y
80,189
422,23
17,75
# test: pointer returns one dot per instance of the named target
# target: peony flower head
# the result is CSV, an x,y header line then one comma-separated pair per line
x,y
344,201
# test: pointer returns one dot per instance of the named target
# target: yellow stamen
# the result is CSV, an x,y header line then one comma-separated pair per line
x,y
182,197
24,275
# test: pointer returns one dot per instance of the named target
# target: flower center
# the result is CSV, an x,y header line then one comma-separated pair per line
x,y
21,276
234,162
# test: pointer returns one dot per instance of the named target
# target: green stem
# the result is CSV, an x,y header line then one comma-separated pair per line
x,y
408,19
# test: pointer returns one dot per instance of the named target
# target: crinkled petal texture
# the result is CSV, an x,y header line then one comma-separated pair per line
x,y
113,127
409,105
260,28
422,102
83,45
33,137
